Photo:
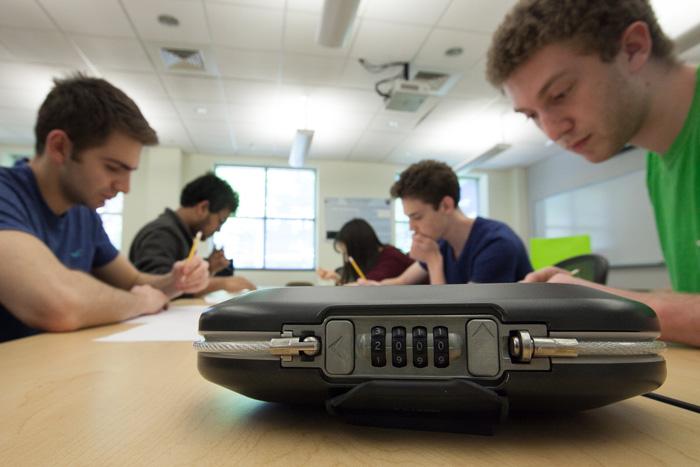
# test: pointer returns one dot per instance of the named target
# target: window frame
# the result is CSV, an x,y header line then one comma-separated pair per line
x,y
265,218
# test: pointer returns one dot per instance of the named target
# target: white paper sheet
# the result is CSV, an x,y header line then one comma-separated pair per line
x,y
180,323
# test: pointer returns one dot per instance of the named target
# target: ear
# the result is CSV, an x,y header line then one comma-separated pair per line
x,y
447,203
636,45
58,147
203,208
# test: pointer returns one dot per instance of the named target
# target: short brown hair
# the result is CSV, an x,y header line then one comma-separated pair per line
x,y
89,110
596,26
428,181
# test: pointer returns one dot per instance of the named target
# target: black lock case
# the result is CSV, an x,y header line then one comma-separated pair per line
x,y
454,357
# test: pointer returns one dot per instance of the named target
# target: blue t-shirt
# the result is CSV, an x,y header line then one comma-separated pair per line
x,y
492,253
77,237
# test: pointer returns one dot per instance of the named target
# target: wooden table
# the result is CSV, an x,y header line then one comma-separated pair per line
x,y
67,400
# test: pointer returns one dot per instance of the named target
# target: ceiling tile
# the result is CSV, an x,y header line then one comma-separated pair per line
x,y
114,53
356,76
311,69
171,132
376,145
432,54
192,27
101,17
258,65
484,16
425,12
197,89
35,79
193,110
40,46
300,36
313,6
155,109
138,86
273,4
345,100
473,83
380,41
245,28
23,14
251,92
331,144
23,99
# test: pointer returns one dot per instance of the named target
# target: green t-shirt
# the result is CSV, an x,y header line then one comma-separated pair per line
x,y
673,180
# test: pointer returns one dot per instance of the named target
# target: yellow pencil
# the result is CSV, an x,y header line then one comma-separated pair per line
x,y
356,268
195,245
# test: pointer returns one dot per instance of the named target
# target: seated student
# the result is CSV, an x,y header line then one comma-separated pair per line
x,y
58,269
357,239
450,247
205,204
595,75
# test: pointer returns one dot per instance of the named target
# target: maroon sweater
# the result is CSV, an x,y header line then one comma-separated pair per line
x,y
391,263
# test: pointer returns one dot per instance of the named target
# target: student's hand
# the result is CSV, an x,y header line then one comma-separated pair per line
x,y
153,299
364,282
217,261
191,275
327,275
238,283
550,274
424,249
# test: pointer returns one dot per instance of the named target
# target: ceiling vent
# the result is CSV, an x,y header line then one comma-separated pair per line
x,y
439,82
182,59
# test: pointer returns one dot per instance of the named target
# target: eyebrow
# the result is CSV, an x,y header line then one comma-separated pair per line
x,y
545,88
120,164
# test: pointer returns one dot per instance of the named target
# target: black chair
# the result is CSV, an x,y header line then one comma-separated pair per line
x,y
590,267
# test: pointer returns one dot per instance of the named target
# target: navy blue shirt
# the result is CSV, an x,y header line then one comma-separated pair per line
x,y
77,237
492,253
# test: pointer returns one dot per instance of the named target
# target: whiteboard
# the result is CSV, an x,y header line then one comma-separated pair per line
x,y
376,211
615,213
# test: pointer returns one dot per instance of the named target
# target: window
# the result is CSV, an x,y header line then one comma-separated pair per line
x,y
469,203
111,214
275,226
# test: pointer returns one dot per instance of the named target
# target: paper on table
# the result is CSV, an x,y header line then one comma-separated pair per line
x,y
177,324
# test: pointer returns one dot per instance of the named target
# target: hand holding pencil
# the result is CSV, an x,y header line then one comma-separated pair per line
x,y
191,274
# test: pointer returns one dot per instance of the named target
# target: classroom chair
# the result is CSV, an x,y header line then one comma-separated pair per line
x,y
591,267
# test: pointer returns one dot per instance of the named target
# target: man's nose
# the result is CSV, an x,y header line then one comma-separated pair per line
x,y
556,127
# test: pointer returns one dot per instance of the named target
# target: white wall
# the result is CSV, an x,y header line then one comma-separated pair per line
x,y
154,186
565,171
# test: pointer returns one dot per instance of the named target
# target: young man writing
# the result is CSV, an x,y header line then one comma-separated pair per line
x,y
595,75
451,248
205,204
58,270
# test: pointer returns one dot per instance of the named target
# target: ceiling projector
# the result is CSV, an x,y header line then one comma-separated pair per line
x,y
407,96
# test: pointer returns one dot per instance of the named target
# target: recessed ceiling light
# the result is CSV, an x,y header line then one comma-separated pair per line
x,y
201,110
454,51
392,124
168,20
